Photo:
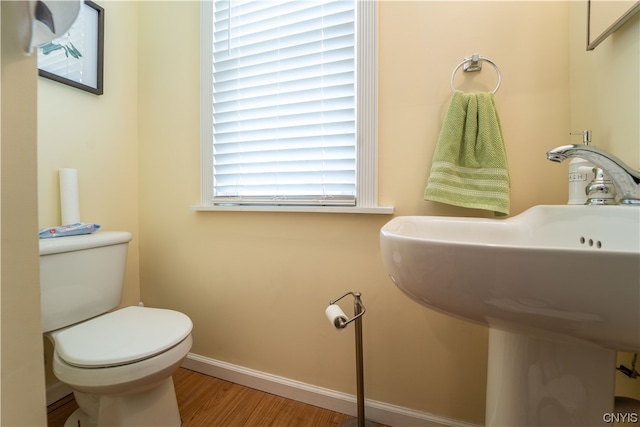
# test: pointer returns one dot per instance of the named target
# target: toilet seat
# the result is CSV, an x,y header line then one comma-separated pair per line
x,y
121,337
122,379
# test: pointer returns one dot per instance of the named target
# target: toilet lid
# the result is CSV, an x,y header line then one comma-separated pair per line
x,y
122,336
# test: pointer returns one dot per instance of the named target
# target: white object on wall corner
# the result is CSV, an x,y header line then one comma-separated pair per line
x,y
317,396
46,20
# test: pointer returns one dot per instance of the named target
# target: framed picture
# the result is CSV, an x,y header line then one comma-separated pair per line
x,y
77,59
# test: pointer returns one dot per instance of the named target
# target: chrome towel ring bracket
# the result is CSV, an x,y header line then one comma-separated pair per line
x,y
472,64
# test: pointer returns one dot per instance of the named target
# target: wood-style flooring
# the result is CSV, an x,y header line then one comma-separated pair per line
x,y
206,401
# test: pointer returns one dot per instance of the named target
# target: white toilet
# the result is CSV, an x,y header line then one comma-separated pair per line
x,y
118,364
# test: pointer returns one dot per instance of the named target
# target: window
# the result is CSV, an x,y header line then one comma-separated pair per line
x,y
289,104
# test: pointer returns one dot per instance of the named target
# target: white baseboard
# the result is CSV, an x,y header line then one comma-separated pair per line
x,y
380,412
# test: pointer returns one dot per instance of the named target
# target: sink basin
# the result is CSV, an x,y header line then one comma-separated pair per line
x,y
572,270
559,288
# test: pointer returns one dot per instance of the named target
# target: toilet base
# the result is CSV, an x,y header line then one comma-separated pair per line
x,y
78,418
154,407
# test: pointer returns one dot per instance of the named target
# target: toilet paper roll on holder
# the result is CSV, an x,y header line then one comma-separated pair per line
x,y
359,309
341,323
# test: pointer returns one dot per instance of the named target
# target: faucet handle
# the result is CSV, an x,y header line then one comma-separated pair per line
x,y
600,190
586,136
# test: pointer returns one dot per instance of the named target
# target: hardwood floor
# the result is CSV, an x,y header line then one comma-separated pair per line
x,y
205,401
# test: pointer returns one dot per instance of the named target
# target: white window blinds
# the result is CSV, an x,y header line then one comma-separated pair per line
x,y
284,109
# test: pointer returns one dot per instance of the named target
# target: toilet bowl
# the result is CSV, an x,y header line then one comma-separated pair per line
x,y
118,363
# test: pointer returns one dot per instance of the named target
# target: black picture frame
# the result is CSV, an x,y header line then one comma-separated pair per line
x,y
64,55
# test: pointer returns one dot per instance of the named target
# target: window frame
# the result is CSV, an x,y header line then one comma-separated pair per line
x,y
366,119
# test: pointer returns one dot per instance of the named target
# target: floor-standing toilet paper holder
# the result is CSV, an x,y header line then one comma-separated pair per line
x,y
341,322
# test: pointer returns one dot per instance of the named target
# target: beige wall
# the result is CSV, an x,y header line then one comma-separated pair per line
x,y
605,87
98,135
256,284
605,97
21,370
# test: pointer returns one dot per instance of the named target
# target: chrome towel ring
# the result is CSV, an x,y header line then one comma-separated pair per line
x,y
473,63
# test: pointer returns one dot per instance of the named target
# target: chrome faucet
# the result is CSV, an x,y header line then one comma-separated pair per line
x,y
625,180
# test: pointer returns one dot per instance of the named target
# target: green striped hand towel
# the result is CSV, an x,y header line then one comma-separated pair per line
x,y
469,166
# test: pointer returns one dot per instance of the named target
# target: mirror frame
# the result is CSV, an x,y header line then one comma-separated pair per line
x,y
612,28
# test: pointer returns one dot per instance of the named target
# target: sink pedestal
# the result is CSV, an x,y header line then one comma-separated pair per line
x,y
536,379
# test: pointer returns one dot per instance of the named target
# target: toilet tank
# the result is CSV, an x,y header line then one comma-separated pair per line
x,y
81,276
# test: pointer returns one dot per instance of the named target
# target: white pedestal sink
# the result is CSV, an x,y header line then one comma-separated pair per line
x,y
559,288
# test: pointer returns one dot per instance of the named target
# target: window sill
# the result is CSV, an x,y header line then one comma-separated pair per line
x,y
380,210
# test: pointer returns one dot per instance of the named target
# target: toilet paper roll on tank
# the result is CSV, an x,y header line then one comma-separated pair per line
x,y
69,209
69,198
